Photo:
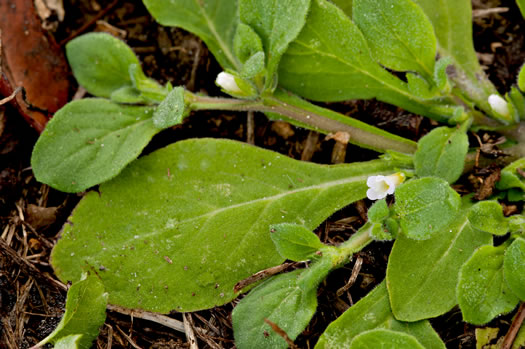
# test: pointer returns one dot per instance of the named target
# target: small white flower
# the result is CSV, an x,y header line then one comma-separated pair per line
x,y
227,82
499,105
381,186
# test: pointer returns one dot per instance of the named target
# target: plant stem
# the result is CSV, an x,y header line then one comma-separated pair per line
x,y
310,116
356,243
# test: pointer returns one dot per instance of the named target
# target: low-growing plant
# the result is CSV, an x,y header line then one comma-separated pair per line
x,y
179,228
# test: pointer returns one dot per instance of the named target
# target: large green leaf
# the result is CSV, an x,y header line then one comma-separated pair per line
x,y
214,21
416,269
85,313
399,34
383,339
373,312
482,292
330,61
181,226
277,22
345,5
90,141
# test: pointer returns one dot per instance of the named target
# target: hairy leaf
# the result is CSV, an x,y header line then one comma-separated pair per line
x,y
399,34
488,216
90,141
100,63
482,293
214,21
433,264
69,342
330,61
425,206
514,267
378,212
171,110
441,153
283,301
294,242
181,226
85,313
278,22
370,313
381,338
510,178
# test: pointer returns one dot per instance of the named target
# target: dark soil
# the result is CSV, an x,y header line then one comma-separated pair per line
x,y
31,214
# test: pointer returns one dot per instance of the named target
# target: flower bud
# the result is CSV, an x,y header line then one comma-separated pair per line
x,y
227,82
236,86
499,105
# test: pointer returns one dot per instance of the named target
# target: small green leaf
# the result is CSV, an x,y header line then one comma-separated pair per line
x,y
90,141
192,219
345,5
373,312
399,34
294,242
418,86
416,269
488,216
214,21
246,42
379,233
278,22
85,313
381,338
521,74
127,95
253,66
440,74
425,206
100,63
441,153
517,224
281,300
521,5
69,342
378,212
149,89
514,267
511,178
482,293
171,110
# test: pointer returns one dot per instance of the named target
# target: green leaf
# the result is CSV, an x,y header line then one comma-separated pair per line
x,y
69,342
440,74
514,267
378,212
191,220
488,216
246,42
90,141
441,153
345,5
482,292
420,87
425,206
330,61
521,5
399,34
171,110
517,100
85,313
127,95
253,66
381,338
283,301
100,63
294,242
278,22
416,269
511,178
149,89
373,312
214,21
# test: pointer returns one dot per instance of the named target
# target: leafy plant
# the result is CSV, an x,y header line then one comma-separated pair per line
x,y
205,214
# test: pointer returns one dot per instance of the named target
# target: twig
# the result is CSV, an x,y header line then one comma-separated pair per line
x,y
131,341
263,274
89,23
188,327
514,327
250,128
11,97
489,11
355,272
281,333
146,315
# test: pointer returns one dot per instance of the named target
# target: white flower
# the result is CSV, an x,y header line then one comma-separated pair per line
x,y
499,105
227,82
381,186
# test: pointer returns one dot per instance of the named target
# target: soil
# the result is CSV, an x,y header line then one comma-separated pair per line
x,y
31,214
